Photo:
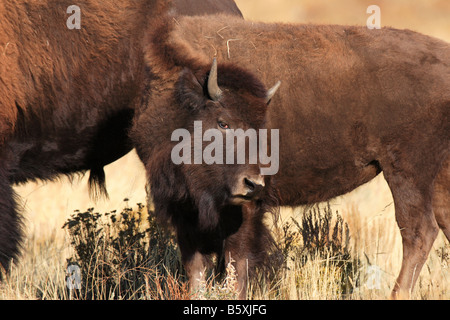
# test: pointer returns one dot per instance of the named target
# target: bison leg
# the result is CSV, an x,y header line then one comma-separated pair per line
x,y
248,247
441,198
418,229
10,226
194,262
195,268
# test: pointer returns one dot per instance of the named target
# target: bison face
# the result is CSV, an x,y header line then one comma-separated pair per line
x,y
211,158
220,157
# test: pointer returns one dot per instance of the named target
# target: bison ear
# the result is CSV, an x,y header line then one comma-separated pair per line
x,y
189,90
271,92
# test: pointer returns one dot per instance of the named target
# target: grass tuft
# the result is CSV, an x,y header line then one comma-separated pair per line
x,y
124,256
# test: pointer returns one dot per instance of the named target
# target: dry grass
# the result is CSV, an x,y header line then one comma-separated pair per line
x,y
334,264
375,238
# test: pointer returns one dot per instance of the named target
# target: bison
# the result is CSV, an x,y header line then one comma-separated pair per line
x,y
68,96
201,202
354,103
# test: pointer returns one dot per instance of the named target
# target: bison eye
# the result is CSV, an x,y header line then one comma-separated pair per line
x,y
223,125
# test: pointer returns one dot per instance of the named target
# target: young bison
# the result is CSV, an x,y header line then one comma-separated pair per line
x,y
354,103
202,201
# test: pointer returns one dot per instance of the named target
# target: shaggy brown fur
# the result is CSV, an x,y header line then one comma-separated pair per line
x,y
67,97
203,7
64,94
196,199
354,102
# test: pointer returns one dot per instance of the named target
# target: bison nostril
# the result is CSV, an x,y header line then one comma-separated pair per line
x,y
250,184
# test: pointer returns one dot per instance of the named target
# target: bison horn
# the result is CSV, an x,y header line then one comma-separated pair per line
x,y
271,92
213,88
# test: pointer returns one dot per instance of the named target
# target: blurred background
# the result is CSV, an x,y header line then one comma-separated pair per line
x,y
368,210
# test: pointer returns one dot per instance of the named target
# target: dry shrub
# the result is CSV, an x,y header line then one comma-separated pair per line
x,y
320,241
122,256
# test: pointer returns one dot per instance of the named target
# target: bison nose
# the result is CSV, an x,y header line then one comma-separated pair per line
x,y
254,186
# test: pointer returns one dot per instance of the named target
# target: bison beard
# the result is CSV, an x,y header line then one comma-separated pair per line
x,y
175,201
231,233
195,198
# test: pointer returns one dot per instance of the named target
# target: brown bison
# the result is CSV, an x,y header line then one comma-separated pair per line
x,y
202,202
68,96
354,103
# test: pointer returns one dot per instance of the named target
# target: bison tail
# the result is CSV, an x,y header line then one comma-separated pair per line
x,y
97,184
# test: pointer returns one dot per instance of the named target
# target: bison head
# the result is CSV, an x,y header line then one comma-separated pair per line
x,y
197,140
